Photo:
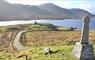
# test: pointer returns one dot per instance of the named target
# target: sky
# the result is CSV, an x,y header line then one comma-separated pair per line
x,y
88,5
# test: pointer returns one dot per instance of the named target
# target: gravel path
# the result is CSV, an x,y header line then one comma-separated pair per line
x,y
17,43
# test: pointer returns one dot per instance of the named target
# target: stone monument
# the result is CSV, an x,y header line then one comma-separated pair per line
x,y
84,49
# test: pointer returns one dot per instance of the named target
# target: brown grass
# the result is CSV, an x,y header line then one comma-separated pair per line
x,y
5,39
54,37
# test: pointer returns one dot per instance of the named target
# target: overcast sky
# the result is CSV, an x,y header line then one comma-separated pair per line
x,y
88,5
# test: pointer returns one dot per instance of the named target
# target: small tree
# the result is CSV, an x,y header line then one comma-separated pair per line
x,y
71,28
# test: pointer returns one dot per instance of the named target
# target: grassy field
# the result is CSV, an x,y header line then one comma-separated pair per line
x,y
51,38
60,42
37,53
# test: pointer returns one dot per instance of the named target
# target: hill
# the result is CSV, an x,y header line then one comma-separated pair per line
x,y
44,11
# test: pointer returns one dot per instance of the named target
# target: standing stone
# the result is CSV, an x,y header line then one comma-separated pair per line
x,y
84,49
85,30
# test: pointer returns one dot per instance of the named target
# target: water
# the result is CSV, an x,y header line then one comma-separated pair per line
x,y
72,23
66,22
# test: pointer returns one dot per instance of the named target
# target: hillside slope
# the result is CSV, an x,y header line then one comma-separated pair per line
x,y
44,11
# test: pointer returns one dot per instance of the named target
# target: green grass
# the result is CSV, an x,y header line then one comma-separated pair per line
x,y
66,50
37,53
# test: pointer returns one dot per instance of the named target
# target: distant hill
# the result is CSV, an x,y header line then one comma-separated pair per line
x,y
45,11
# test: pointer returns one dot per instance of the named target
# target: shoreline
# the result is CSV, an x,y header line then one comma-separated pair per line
x,y
66,23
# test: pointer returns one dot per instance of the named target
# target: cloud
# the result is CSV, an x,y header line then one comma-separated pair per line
x,y
88,5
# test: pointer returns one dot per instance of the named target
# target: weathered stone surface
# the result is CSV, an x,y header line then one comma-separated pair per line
x,y
87,52
84,49
77,49
85,30
47,51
